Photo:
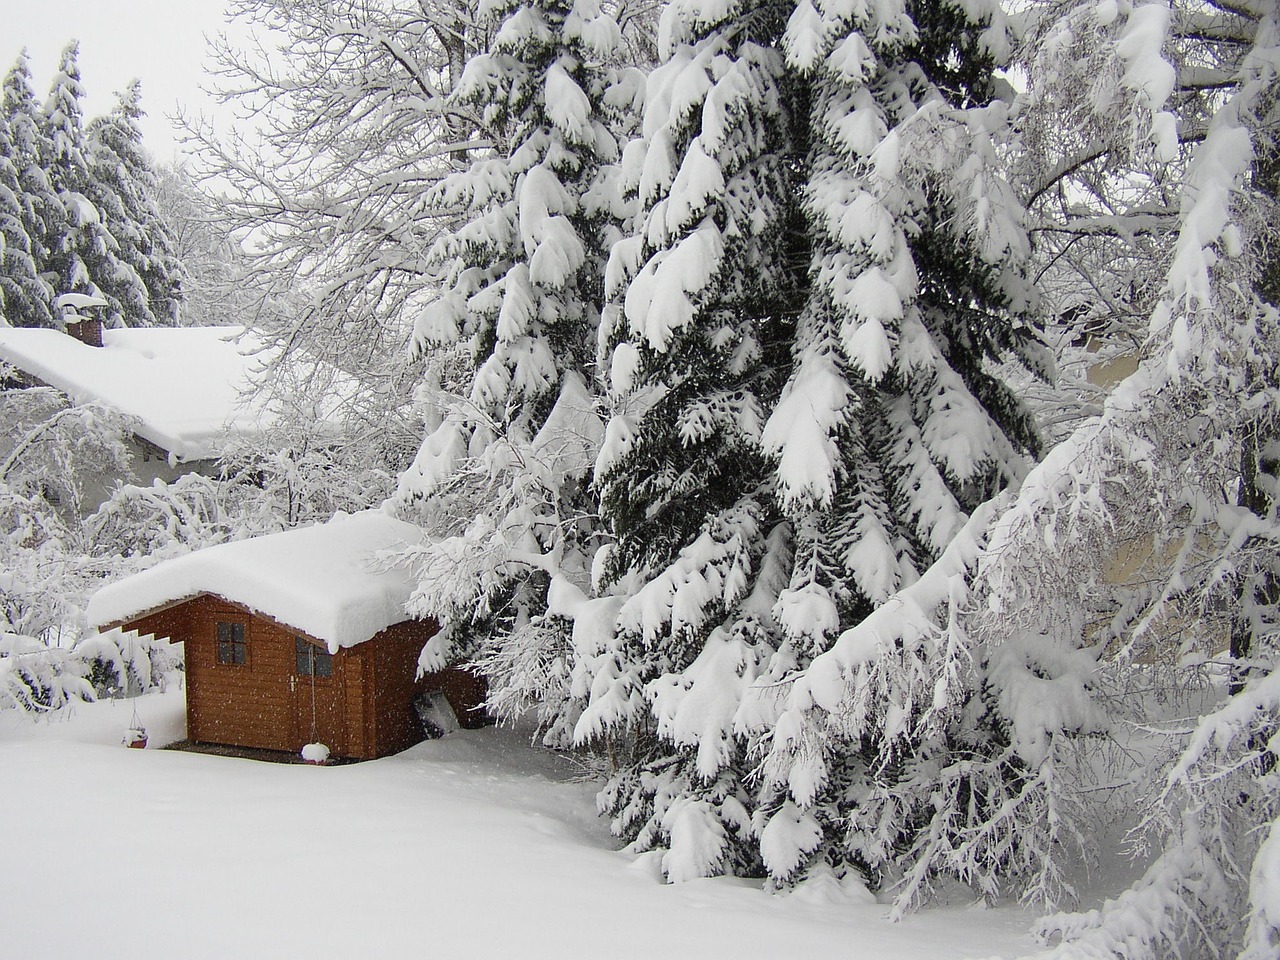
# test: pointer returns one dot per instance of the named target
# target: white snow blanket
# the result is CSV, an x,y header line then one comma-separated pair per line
x,y
477,845
188,386
330,580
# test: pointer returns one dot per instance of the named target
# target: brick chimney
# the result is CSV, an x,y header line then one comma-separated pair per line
x,y
86,328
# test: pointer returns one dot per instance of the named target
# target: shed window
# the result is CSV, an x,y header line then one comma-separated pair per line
x,y
232,647
310,660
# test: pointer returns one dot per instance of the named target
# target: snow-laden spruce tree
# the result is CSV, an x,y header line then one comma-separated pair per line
x,y
827,265
79,249
144,281
510,340
28,293
80,216
1140,548
19,282
894,426
704,295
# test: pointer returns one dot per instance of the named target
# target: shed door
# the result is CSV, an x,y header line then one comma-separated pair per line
x,y
317,687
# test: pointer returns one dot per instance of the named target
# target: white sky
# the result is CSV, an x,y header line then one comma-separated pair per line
x,y
160,42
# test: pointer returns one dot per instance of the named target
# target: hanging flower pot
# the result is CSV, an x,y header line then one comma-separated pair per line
x,y
316,753
135,737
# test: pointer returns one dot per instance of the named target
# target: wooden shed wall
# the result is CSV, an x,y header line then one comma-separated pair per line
x,y
364,711
392,658
250,704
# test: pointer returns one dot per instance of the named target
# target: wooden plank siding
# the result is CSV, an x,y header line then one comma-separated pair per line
x,y
357,699
250,704
365,710
393,656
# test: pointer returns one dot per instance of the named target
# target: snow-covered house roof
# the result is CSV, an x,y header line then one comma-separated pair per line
x,y
325,580
185,385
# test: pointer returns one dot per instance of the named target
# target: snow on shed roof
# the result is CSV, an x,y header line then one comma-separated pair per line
x,y
185,385
324,580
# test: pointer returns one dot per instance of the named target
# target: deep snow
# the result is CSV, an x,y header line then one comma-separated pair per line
x,y
476,845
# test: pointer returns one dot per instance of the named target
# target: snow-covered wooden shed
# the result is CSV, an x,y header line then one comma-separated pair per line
x,y
295,638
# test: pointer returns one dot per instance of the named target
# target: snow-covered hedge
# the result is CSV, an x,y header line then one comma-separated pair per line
x,y
36,677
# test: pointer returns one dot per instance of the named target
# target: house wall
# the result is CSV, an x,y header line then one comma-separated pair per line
x,y
17,379
148,464
147,461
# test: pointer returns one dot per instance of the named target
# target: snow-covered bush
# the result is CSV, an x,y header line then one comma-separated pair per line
x,y
120,664
55,461
37,677
42,576
141,525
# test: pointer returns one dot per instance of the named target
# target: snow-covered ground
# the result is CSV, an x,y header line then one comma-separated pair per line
x,y
472,846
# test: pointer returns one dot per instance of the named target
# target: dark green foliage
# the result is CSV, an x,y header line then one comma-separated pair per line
x,y
76,213
28,295
696,451
140,277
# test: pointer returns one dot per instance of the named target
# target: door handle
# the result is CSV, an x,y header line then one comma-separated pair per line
x,y
293,684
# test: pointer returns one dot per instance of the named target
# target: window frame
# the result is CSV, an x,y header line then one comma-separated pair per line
x,y
238,646
307,655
